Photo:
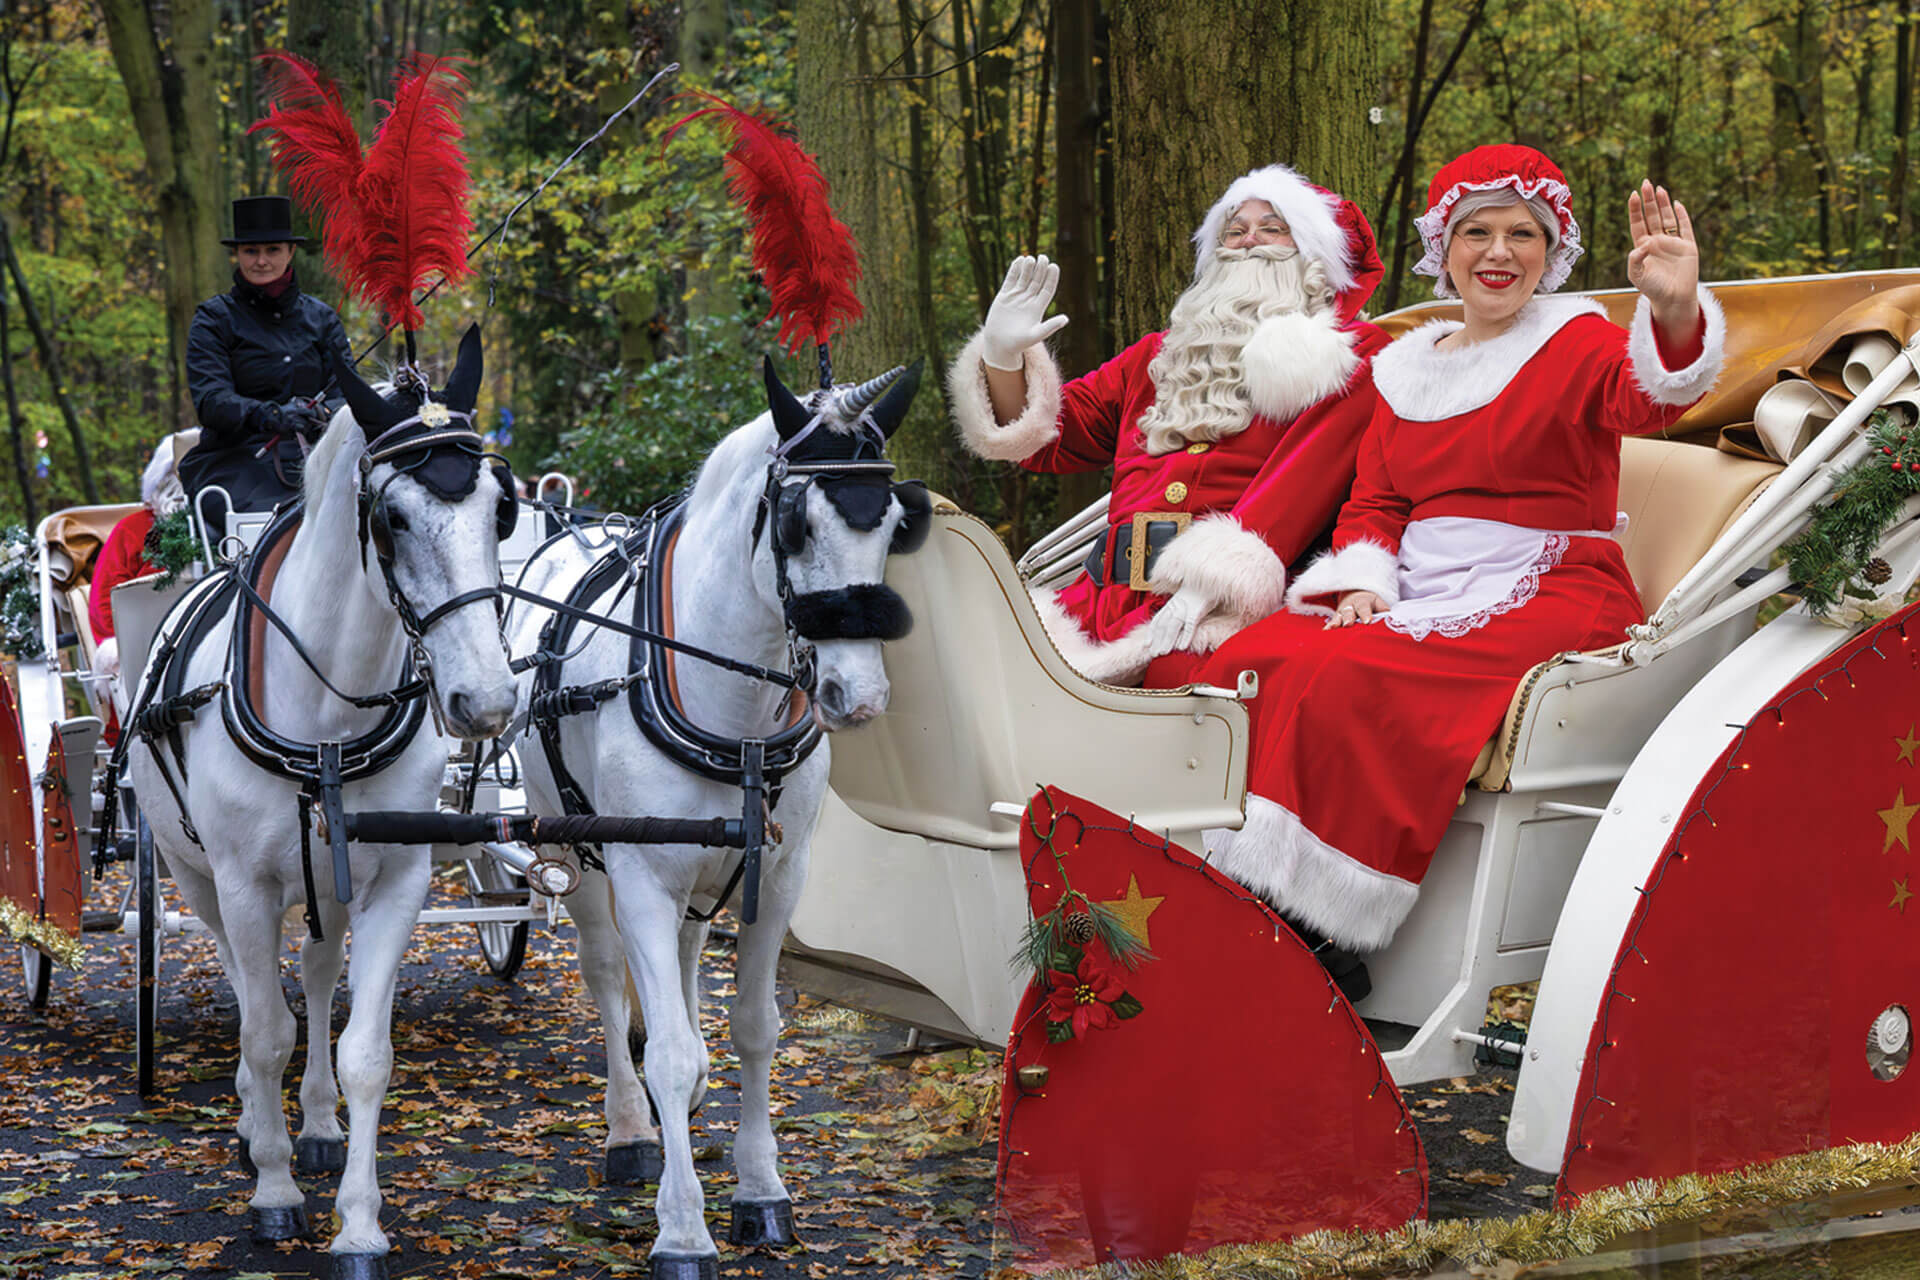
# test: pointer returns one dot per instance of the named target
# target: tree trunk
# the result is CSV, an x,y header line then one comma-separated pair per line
x,y
703,40
334,39
1800,117
1903,78
845,118
50,361
16,423
174,109
1200,100
1077,224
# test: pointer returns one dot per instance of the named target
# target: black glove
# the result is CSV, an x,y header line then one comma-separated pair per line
x,y
307,415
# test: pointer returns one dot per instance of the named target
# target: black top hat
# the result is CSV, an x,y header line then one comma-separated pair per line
x,y
263,220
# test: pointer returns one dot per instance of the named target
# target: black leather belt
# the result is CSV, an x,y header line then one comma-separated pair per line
x,y
1150,529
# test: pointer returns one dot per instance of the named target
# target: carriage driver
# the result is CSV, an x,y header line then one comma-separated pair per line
x,y
256,361
1232,435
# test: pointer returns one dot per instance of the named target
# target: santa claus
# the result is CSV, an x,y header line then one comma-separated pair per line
x,y
1231,435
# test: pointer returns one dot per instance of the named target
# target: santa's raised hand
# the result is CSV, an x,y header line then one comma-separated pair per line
x,y
1018,317
1665,261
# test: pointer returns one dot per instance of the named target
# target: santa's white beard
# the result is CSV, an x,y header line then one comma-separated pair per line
x,y
1200,375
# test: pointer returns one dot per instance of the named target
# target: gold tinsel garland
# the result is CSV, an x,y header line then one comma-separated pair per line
x,y
23,927
1544,1235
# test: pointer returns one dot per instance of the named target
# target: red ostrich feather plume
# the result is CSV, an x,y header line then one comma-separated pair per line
x,y
316,146
396,214
803,253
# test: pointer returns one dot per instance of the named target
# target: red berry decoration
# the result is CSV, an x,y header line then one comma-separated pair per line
x,y
1887,449
1899,465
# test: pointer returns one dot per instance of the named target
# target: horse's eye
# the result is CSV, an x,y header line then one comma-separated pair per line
x,y
396,522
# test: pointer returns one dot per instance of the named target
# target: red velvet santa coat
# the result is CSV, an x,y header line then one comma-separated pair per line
x,y
1259,497
1363,736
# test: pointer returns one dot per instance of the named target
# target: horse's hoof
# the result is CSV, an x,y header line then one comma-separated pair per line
x,y
319,1155
283,1222
684,1266
758,1222
359,1266
633,1164
246,1160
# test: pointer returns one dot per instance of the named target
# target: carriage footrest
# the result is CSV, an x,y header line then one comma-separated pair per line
x,y
100,922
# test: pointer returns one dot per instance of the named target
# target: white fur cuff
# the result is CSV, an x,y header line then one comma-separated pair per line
x,y
1240,574
1294,361
1039,422
1308,879
1363,565
1119,662
1676,386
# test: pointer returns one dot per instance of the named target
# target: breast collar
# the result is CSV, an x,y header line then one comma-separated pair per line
x,y
365,754
650,696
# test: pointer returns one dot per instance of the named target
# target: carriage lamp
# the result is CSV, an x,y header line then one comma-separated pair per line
x,y
553,877
1890,1043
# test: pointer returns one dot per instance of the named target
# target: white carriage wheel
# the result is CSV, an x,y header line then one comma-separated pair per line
x,y
503,943
39,974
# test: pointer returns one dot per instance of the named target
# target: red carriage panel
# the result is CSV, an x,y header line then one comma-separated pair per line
x,y
1761,1004
1229,1095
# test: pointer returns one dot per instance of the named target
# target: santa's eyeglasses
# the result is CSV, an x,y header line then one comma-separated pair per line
x,y
1266,231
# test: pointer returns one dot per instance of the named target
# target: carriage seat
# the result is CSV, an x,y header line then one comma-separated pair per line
x,y
1678,499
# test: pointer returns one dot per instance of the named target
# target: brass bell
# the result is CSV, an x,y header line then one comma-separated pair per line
x,y
1032,1076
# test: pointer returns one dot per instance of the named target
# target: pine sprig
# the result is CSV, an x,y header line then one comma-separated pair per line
x,y
1829,559
171,546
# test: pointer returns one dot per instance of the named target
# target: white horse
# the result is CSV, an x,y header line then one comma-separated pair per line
x,y
785,534
382,533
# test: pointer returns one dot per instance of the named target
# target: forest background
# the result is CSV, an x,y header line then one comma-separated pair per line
x,y
622,318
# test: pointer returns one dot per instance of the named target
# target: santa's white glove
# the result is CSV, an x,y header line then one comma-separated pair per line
x,y
1018,317
106,657
1173,627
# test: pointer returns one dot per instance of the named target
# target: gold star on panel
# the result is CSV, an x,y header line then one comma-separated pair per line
x,y
1134,909
1907,745
1896,819
1900,895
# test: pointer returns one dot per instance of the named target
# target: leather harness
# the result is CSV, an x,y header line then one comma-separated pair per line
x,y
641,563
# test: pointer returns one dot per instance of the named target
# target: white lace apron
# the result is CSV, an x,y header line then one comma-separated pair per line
x,y
1456,573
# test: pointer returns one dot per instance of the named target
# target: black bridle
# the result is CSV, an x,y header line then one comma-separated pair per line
x,y
435,429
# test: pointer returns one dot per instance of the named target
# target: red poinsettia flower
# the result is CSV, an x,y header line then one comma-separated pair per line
x,y
1082,997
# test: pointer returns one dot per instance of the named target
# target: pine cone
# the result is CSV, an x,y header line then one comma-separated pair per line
x,y
1877,571
1080,927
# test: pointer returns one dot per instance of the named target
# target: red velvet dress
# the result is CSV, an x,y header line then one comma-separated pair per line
x,y
1482,509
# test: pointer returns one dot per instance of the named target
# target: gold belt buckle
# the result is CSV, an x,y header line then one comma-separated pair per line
x,y
1137,549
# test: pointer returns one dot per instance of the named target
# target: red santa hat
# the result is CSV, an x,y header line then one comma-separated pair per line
x,y
1530,176
1328,229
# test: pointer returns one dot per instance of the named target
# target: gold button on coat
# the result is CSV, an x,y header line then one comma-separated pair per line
x,y
1202,447
1176,492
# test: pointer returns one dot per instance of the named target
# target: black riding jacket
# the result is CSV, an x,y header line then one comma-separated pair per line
x,y
248,353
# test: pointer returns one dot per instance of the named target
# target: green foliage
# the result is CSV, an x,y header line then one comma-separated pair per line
x,y
19,595
171,546
1829,559
649,428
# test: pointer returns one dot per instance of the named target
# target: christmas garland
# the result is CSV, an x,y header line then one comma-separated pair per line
x,y
1543,1235
19,594
1832,561
171,546
1072,950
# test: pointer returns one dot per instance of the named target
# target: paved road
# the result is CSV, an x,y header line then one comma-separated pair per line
x,y
490,1143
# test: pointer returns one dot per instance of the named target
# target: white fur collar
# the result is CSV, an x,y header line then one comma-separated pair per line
x,y
1422,384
